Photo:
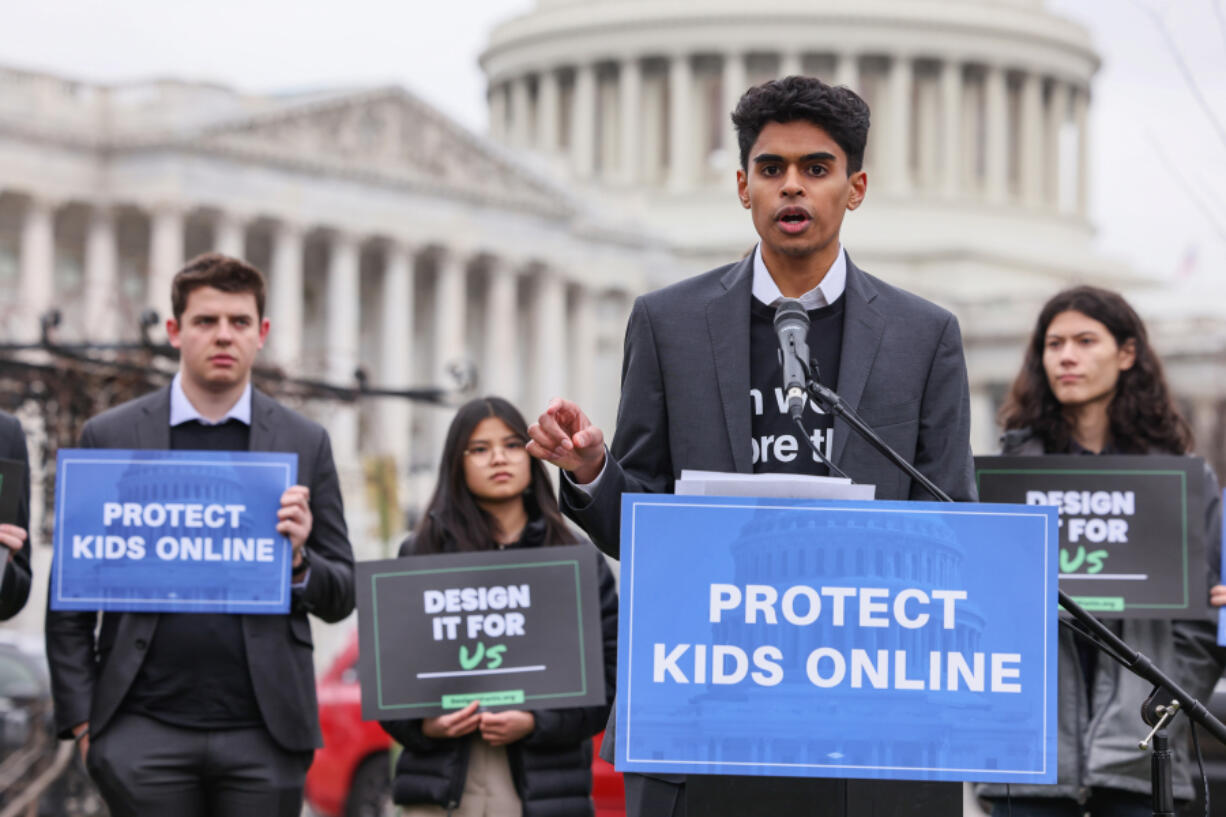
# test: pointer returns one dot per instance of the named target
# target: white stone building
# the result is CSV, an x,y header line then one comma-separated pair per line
x,y
393,238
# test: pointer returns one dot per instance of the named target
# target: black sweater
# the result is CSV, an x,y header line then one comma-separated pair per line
x,y
551,767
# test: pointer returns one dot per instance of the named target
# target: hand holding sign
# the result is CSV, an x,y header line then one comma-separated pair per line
x,y
455,725
501,728
294,519
12,537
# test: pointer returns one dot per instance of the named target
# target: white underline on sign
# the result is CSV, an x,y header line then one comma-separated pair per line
x,y
499,671
1124,577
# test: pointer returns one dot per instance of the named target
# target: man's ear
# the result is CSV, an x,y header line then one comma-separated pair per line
x,y
742,187
859,189
265,325
172,331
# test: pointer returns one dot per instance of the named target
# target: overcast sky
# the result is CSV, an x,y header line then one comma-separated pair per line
x,y
1158,162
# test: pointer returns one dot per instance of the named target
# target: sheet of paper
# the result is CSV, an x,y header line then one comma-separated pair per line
x,y
776,486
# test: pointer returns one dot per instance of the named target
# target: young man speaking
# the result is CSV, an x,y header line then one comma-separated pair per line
x,y
701,361
209,714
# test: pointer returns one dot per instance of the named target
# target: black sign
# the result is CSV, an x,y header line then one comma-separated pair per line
x,y
513,629
12,486
1132,529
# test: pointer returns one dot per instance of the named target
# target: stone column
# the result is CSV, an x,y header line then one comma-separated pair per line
x,y
101,275
983,420
847,71
450,333
583,343
343,299
230,235
790,64
165,255
550,355
951,126
501,336
1031,164
898,161
583,121
37,265
735,84
630,102
1081,118
520,112
547,111
285,296
498,112
1057,114
680,141
996,149
395,351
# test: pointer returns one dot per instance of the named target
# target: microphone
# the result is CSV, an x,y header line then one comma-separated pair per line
x,y
792,327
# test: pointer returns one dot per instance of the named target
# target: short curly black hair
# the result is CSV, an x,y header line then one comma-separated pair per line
x,y
835,109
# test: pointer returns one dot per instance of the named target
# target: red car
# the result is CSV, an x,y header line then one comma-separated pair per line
x,y
351,774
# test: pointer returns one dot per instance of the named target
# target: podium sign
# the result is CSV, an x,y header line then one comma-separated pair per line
x,y
1132,541
811,638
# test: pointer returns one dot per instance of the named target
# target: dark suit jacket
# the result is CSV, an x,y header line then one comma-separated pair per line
x,y
15,586
90,677
685,393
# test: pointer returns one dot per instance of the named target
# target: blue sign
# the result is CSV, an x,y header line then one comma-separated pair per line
x,y
171,531
1221,613
807,638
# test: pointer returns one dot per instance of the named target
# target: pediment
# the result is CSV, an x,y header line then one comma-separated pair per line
x,y
387,134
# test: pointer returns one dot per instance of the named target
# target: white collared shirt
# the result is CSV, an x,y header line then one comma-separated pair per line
x,y
182,411
824,294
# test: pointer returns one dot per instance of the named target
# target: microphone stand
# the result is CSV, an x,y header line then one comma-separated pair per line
x,y
1115,647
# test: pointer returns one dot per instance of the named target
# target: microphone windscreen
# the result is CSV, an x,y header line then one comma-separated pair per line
x,y
790,312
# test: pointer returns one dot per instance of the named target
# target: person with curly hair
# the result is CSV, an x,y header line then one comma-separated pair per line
x,y
1091,384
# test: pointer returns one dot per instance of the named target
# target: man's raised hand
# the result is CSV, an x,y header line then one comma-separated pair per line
x,y
565,436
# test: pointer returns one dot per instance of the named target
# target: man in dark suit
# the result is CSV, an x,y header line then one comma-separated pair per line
x,y
14,536
209,714
701,374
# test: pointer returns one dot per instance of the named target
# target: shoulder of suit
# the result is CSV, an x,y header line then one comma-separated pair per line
x,y
9,424
701,286
121,416
893,300
283,416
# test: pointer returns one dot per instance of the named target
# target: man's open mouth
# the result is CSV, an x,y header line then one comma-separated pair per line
x,y
793,220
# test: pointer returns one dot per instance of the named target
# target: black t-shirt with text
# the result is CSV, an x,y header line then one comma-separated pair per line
x,y
777,446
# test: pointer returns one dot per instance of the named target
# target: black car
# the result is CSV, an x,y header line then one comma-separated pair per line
x,y
27,734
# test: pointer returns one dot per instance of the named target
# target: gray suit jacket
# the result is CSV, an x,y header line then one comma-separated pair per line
x,y
90,677
685,393
15,586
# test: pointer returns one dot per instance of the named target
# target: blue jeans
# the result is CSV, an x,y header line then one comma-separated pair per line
x,y
1102,803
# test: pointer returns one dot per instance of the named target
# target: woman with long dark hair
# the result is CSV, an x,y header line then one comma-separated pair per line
x,y
492,495
1091,384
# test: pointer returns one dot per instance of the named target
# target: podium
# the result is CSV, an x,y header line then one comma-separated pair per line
x,y
836,657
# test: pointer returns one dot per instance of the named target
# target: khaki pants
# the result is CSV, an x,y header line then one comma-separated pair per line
x,y
488,789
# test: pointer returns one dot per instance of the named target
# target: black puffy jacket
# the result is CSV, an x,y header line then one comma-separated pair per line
x,y
551,767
